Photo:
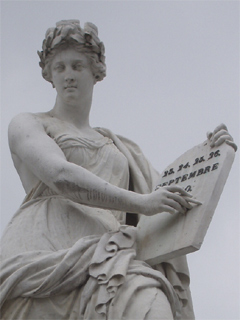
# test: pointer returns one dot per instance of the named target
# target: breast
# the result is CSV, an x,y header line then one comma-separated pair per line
x,y
101,157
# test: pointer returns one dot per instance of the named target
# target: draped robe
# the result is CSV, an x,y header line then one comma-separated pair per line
x,y
64,260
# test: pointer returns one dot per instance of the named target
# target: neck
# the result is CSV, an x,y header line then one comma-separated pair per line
x,y
74,113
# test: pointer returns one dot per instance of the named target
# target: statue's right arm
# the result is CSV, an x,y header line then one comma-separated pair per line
x,y
30,143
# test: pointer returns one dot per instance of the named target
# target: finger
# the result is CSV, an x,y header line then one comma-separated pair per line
x,y
193,201
180,199
221,140
220,137
169,209
175,205
222,133
209,135
179,190
222,126
232,144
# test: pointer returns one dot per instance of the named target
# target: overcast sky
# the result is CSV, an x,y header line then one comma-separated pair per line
x,y
172,75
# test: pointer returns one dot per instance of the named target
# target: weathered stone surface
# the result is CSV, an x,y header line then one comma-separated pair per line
x,y
65,253
202,171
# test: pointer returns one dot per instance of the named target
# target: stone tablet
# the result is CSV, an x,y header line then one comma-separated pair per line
x,y
202,171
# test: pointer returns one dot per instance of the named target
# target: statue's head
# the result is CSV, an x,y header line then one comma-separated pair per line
x,y
69,34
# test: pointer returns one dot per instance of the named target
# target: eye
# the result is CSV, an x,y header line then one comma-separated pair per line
x,y
59,67
78,66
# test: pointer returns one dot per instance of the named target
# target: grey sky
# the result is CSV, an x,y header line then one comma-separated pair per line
x,y
172,75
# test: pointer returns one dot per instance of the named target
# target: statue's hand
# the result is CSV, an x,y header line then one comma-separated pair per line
x,y
170,199
221,135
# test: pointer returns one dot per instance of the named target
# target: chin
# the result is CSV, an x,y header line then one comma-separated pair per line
x,y
71,96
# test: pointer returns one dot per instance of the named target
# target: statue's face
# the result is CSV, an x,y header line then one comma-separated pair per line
x,y
71,75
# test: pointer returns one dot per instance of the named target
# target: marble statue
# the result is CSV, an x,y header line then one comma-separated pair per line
x,y
69,251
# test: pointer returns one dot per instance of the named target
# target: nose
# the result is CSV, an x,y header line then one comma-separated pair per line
x,y
69,77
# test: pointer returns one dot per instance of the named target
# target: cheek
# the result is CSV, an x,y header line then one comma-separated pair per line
x,y
88,78
57,79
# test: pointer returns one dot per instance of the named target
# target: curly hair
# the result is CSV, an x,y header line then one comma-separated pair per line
x,y
69,34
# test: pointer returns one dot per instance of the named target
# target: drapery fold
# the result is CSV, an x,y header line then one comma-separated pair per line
x,y
39,274
101,264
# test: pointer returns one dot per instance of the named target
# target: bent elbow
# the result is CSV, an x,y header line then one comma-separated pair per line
x,y
62,182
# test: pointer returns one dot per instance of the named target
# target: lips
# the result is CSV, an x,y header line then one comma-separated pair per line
x,y
70,87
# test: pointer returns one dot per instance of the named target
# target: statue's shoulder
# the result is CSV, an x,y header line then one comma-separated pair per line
x,y
24,117
27,119
24,124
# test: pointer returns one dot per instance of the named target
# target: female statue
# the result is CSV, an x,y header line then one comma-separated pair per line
x,y
68,252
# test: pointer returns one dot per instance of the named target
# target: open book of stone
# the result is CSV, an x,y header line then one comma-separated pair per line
x,y
202,171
